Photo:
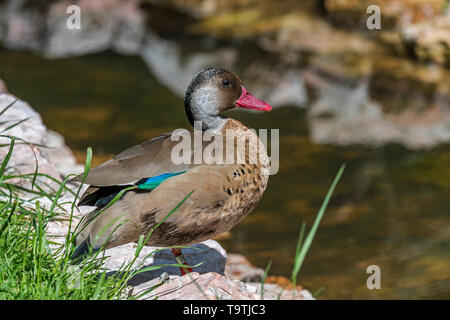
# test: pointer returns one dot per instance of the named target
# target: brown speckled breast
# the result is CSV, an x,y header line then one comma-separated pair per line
x,y
247,182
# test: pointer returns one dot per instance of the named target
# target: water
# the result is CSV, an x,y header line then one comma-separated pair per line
x,y
390,209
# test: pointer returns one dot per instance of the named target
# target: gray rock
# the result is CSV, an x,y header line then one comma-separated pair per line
x,y
239,268
3,88
428,40
22,28
211,286
272,291
195,286
345,115
44,146
209,253
105,24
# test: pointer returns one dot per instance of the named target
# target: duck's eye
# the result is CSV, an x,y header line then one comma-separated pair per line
x,y
226,83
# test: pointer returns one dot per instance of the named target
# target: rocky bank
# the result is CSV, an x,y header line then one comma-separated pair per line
x,y
221,276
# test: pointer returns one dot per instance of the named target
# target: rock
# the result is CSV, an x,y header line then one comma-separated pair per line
x,y
52,155
212,286
45,147
105,24
273,291
22,25
344,115
239,268
393,12
195,286
60,154
429,40
3,88
275,287
210,253
417,29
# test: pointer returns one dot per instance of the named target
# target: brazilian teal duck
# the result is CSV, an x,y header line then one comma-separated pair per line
x,y
223,193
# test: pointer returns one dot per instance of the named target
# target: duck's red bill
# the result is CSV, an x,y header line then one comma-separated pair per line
x,y
250,102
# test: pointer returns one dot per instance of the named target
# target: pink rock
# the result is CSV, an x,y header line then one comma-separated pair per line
x,y
194,286
239,268
3,88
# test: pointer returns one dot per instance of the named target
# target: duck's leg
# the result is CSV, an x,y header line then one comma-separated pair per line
x,y
180,260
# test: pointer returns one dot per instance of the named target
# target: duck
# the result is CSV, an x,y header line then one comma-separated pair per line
x,y
210,197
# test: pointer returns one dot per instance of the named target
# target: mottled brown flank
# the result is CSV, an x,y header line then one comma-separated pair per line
x,y
169,234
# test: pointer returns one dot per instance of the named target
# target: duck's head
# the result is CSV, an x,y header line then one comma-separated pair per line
x,y
215,90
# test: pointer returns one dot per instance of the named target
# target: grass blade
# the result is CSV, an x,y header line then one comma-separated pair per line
x,y
263,279
8,106
15,124
303,248
7,158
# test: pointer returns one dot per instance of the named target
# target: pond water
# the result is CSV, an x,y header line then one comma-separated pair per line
x,y
391,208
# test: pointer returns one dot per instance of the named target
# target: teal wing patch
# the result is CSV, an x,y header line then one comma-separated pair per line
x,y
153,182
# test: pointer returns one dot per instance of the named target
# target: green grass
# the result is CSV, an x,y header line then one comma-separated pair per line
x,y
303,246
29,269
34,266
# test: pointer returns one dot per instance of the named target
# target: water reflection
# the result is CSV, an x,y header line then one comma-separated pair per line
x,y
174,67
347,115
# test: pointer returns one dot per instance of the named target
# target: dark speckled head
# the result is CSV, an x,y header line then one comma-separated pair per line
x,y
215,90
212,91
